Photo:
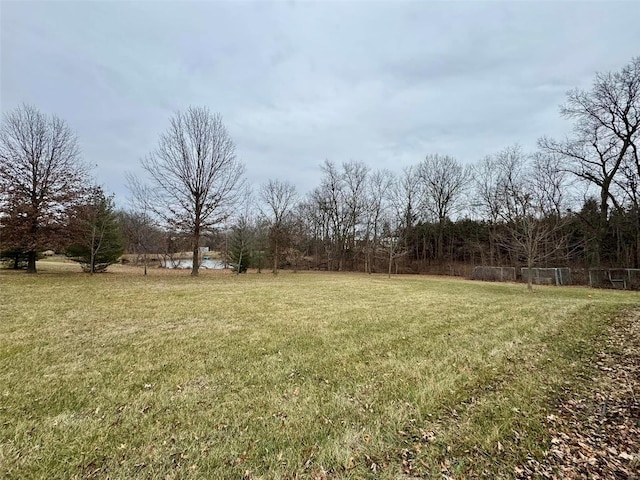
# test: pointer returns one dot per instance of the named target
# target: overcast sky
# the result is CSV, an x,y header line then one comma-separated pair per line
x,y
383,82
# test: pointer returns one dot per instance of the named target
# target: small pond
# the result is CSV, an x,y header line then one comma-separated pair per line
x,y
187,263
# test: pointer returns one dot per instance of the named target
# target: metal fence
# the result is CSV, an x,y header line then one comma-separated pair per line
x,y
621,278
547,276
494,274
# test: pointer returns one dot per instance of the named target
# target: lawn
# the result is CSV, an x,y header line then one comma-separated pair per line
x,y
308,375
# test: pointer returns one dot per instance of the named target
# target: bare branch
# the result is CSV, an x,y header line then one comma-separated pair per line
x,y
40,174
195,175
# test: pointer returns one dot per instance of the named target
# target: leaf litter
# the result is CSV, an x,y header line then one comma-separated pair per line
x,y
595,433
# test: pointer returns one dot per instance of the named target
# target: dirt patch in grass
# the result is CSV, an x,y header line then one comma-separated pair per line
x,y
596,433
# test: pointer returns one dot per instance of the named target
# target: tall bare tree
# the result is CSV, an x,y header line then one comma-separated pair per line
x,y
552,182
444,181
486,201
629,184
142,237
342,202
195,175
555,193
278,199
40,175
530,221
330,197
355,176
138,223
378,197
405,199
606,130
315,225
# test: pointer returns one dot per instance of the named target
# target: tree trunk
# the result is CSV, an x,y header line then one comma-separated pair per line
x,y
424,253
441,241
31,262
491,248
275,256
92,259
637,256
390,257
196,256
603,224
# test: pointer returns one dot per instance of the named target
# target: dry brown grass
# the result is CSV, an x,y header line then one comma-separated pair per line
x,y
303,375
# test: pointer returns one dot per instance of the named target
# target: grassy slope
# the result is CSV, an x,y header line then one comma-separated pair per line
x,y
349,376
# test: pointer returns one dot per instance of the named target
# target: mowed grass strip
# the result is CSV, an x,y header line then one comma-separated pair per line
x,y
308,375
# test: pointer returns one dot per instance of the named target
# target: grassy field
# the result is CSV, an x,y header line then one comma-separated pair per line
x,y
304,375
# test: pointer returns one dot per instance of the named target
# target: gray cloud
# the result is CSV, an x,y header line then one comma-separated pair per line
x,y
380,82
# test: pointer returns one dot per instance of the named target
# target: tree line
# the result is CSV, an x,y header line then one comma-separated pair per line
x,y
572,202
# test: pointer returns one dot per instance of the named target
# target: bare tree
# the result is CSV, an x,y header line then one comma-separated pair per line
x,y
331,200
139,226
555,193
530,220
40,176
391,223
341,201
552,182
486,200
315,226
142,236
444,181
607,128
279,199
378,193
195,175
355,176
629,184
405,199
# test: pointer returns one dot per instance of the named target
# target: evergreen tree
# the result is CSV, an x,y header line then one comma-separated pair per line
x,y
239,247
14,258
96,236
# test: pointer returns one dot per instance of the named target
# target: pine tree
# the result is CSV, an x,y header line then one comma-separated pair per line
x,y
239,247
96,236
